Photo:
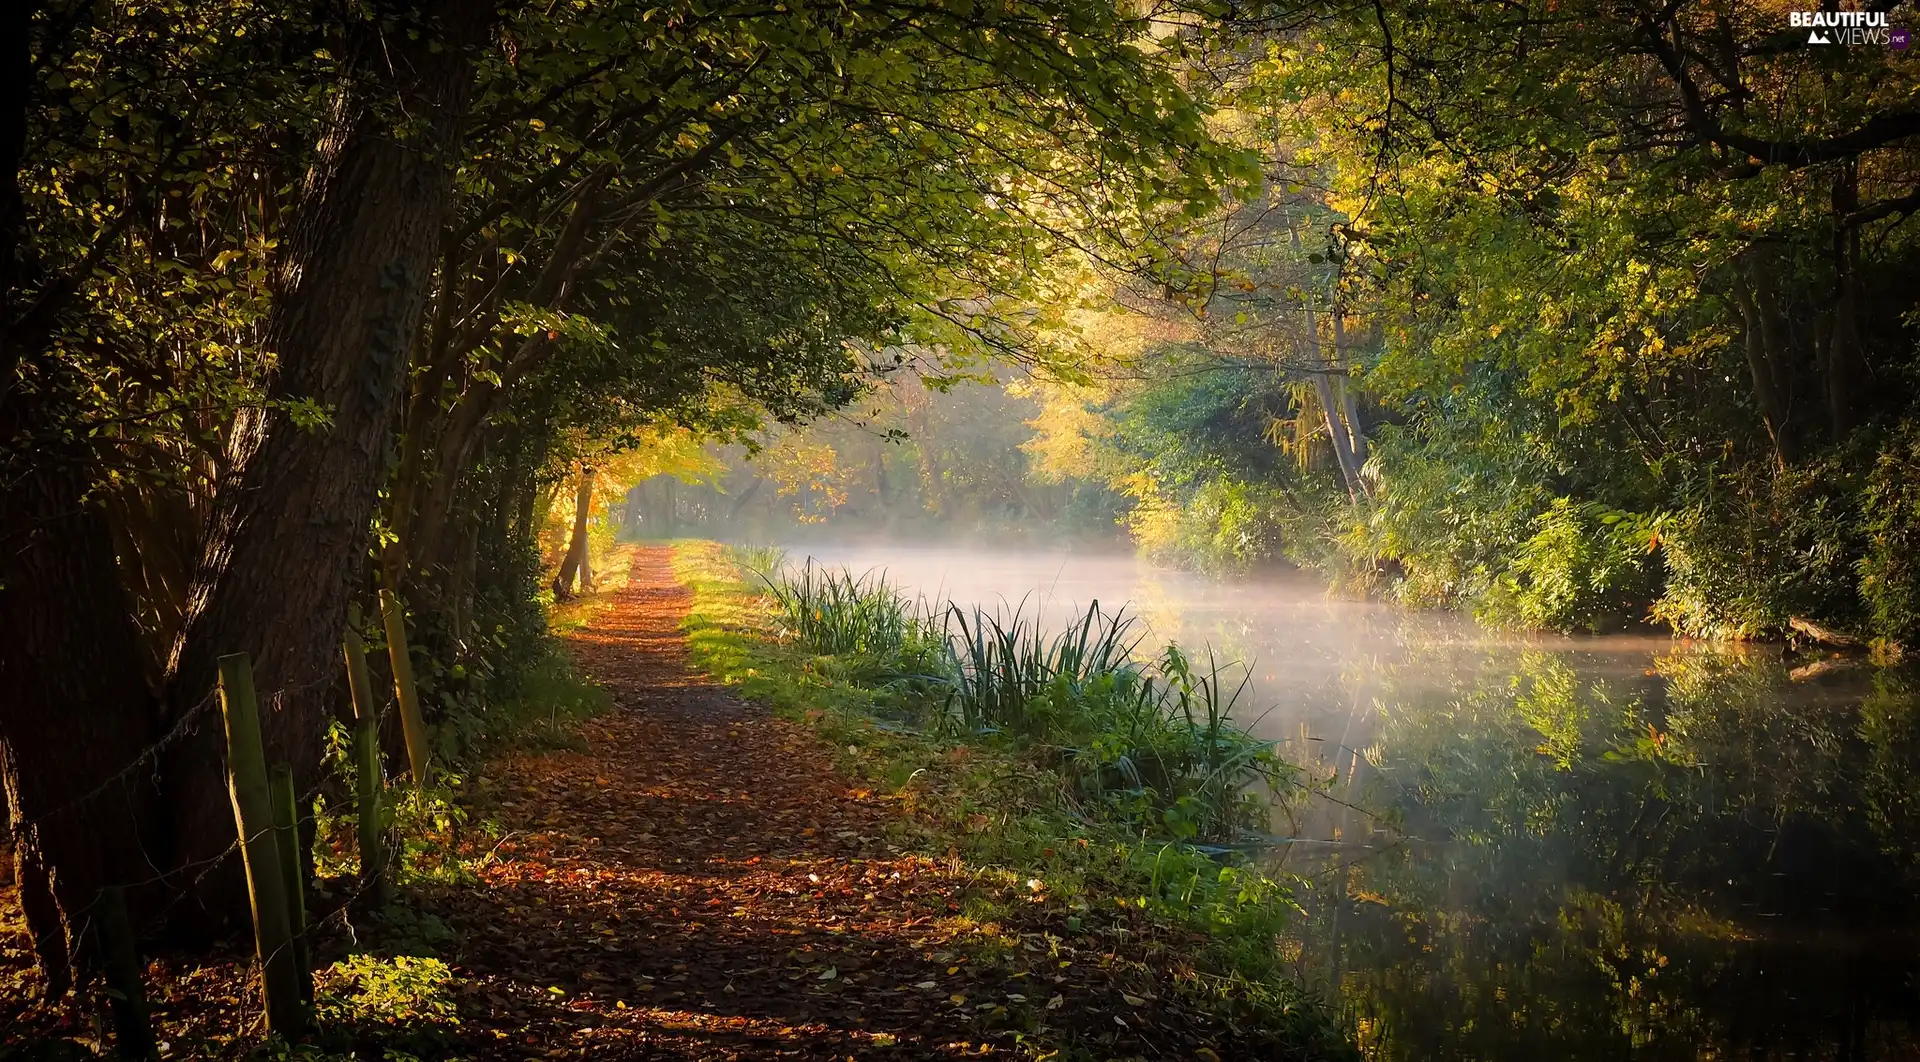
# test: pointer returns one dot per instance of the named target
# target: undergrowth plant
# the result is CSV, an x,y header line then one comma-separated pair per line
x,y
511,686
1152,745
837,612
863,624
1004,675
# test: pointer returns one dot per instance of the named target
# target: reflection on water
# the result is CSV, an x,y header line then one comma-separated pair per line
x,y
1543,848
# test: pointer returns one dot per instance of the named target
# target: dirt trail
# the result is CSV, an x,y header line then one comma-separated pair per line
x,y
700,884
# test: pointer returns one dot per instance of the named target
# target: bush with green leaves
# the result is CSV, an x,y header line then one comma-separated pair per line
x,y
1890,569
1761,548
1447,514
1210,490
1582,569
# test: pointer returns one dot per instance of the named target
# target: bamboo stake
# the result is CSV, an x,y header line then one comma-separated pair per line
x,y
286,836
133,1033
394,616
253,814
370,776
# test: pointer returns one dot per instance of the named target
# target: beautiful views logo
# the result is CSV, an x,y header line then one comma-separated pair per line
x,y
1849,27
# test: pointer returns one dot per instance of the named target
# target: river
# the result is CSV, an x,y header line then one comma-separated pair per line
x,y
1532,847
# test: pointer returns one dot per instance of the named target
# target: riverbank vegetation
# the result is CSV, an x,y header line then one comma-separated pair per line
x,y
1573,314
1056,759
1569,315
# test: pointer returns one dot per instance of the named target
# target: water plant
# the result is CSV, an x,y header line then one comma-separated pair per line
x,y
836,612
762,561
1153,743
1004,675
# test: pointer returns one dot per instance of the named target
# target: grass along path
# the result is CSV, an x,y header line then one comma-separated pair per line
x,y
695,878
701,883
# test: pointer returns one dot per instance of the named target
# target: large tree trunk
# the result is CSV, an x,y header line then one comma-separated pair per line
x,y
1337,435
75,710
1331,407
526,509
1349,407
576,562
1842,363
1334,407
430,503
286,544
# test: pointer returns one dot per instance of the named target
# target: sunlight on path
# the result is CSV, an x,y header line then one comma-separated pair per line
x,y
700,884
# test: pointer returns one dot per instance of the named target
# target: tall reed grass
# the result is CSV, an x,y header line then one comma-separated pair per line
x,y
1004,675
1150,742
834,612
1153,741
762,561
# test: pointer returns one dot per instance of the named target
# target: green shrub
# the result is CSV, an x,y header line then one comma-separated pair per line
x,y
1711,591
1890,570
1768,544
1583,568
1442,522
404,994
1219,524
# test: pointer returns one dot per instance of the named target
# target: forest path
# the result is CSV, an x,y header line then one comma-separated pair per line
x,y
701,884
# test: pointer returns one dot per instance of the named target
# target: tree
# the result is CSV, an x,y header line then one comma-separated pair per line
x,y
128,132
576,562
1622,253
255,249
285,541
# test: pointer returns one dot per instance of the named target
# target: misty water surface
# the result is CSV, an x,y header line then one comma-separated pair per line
x,y
1528,847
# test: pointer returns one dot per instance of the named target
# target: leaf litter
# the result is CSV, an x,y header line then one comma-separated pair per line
x,y
704,885
699,883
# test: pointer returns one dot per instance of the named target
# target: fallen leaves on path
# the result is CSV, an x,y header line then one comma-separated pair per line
x,y
701,884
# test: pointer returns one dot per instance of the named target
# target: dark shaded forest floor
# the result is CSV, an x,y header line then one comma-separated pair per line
x,y
695,881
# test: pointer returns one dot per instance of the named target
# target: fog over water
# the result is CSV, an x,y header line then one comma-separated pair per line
x,y
1314,660
1544,847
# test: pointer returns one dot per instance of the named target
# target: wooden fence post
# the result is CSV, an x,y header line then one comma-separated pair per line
x,y
253,814
120,952
286,836
370,777
394,616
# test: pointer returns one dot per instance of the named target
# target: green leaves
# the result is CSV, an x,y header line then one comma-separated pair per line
x,y
773,187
